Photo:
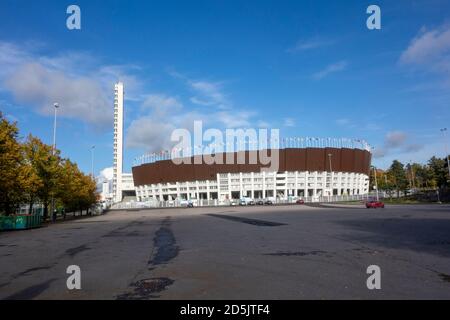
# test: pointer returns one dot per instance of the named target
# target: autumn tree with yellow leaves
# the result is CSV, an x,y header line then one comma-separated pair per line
x,y
32,172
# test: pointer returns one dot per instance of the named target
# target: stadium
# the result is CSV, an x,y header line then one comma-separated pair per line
x,y
313,169
309,173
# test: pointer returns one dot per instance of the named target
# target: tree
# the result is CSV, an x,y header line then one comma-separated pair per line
x,y
11,173
398,176
45,164
439,171
33,172
33,182
77,191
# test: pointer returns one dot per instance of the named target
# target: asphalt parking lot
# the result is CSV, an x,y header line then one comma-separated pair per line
x,y
270,252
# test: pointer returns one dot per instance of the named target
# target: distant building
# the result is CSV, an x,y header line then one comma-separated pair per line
x,y
105,194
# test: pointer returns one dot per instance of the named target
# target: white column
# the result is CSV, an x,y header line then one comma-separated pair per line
x,y
253,185
241,187
264,184
286,183
229,186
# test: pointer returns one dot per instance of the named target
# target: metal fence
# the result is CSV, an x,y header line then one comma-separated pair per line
x,y
215,202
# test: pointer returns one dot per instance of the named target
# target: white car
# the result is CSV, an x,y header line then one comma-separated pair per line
x,y
246,201
186,203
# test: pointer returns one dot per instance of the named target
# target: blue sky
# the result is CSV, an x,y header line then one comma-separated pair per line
x,y
309,68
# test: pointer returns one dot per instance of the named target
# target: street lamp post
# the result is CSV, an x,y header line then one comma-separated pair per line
x,y
56,106
376,183
444,131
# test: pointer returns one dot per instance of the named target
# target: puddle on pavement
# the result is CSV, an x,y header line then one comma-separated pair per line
x,y
165,246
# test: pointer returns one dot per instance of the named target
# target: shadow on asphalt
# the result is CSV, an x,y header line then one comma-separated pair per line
x,y
418,234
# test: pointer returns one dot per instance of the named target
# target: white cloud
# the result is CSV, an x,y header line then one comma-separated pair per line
x,y
429,48
309,44
200,102
76,80
396,142
161,104
263,124
207,93
210,94
343,121
81,98
153,131
289,122
106,174
332,68
164,113
419,154
233,119
149,133
395,139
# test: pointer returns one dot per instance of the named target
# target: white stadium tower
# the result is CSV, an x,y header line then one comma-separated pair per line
x,y
122,182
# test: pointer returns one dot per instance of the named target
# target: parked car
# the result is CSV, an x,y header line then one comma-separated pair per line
x,y
300,201
260,202
186,203
245,201
268,202
374,204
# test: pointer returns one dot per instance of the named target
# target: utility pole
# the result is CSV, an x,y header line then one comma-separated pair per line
x,y
376,184
55,106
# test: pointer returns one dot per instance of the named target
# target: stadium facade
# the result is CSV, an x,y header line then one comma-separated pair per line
x,y
308,173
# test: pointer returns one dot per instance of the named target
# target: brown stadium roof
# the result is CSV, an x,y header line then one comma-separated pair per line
x,y
298,159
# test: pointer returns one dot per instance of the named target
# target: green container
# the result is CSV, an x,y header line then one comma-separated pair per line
x,y
33,221
20,222
8,223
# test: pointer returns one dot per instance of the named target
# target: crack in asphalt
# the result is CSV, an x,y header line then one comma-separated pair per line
x,y
255,222
31,292
72,252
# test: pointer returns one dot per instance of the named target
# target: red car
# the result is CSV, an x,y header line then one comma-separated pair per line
x,y
300,201
374,204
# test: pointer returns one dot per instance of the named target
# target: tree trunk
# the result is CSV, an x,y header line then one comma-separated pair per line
x,y
30,210
45,210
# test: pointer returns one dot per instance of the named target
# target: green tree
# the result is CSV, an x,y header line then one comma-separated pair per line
x,y
439,171
11,162
398,176
32,153
45,164
77,190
